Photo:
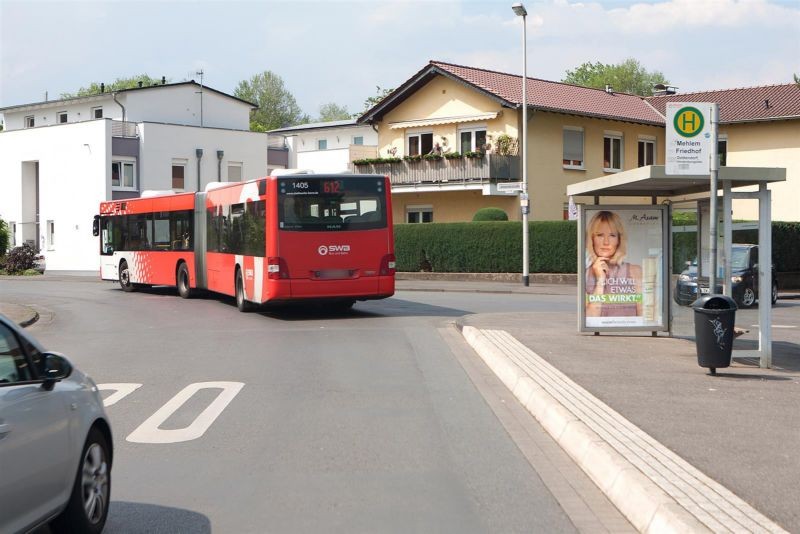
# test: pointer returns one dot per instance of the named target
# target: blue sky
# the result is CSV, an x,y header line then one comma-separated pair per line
x,y
338,51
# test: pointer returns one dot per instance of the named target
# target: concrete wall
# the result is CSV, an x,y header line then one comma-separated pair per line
x,y
181,105
72,161
767,144
163,143
172,104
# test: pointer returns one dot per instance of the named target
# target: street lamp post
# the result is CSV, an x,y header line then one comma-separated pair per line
x,y
520,11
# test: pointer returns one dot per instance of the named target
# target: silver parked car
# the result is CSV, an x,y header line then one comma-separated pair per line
x,y
55,440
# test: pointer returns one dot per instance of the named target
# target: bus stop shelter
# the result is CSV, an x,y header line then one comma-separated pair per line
x,y
652,182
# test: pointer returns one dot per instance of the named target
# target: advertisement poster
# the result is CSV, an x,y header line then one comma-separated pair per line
x,y
623,268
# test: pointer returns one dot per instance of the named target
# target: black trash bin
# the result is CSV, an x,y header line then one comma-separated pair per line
x,y
713,330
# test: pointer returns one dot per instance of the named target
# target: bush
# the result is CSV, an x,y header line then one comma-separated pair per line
x,y
496,247
485,247
4,238
20,259
490,214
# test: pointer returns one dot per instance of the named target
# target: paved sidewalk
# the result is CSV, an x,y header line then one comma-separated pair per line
x,y
675,448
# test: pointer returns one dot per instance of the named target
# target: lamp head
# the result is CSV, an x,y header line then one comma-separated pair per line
x,y
519,9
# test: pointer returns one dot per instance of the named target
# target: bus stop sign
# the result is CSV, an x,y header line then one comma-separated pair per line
x,y
688,138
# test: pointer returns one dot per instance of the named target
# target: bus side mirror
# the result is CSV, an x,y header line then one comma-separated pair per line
x,y
96,226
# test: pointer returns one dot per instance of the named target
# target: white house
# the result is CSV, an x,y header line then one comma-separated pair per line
x,y
328,146
59,159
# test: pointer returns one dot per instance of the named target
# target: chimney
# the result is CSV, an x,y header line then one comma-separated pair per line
x,y
163,80
609,89
102,87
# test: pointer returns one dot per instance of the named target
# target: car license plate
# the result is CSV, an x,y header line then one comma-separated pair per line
x,y
704,290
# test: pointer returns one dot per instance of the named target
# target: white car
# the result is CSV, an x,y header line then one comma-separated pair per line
x,y
55,440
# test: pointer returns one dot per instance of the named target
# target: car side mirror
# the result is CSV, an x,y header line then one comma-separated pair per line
x,y
56,368
96,226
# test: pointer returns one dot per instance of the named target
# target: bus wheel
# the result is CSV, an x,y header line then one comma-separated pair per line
x,y
241,303
125,277
184,289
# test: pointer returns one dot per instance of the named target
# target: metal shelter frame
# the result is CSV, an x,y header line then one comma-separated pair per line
x,y
652,181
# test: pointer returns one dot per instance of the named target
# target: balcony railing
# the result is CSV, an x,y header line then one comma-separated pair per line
x,y
124,129
489,168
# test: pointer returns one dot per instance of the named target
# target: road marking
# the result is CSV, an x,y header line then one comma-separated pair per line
x,y
776,326
148,432
120,392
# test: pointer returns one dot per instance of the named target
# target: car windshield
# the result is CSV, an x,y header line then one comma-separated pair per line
x,y
739,259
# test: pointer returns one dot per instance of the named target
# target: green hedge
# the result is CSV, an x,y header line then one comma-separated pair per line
x,y
496,247
485,247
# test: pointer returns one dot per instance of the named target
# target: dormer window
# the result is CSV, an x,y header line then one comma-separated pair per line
x,y
29,122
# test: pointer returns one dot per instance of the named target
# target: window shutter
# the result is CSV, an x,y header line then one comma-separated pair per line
x,y
573,145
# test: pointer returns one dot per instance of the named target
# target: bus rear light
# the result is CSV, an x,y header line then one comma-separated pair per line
x,y
277,268
388,265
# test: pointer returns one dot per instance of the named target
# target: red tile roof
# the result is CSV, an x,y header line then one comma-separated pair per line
x,y
771,102
557,96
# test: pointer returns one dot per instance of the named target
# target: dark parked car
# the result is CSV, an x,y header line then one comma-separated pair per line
x,y
744,277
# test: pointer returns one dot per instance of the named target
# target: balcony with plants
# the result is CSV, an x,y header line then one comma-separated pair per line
x,y
492,163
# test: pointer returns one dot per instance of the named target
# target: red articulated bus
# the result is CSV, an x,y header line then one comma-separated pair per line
x,y
298,237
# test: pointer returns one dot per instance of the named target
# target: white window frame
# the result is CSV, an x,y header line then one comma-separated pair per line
x,y
572,165
124,162
238,165
61,114
420,210
418,135
51,235
30,121
179,162
95,110
472,130
613,136
356,139
646,139
320,143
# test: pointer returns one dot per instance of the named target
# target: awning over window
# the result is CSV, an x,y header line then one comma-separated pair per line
x,y
444,120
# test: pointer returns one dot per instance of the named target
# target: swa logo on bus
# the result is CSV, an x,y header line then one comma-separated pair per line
x,y
333,250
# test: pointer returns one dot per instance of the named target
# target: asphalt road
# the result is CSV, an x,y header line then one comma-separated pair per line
x,y
361,421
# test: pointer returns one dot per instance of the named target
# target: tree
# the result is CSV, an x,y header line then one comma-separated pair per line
x,y
373,100
626,77
277,108
116,85
333,112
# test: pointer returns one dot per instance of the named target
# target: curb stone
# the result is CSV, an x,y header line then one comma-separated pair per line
x,y
657,491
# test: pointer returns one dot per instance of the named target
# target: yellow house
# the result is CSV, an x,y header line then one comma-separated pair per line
x,y
759,127
452,136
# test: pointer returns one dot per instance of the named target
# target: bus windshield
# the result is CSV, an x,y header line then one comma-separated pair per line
x,y
320,204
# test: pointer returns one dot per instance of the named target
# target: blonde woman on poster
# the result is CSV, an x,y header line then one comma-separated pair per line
x,y
613,286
